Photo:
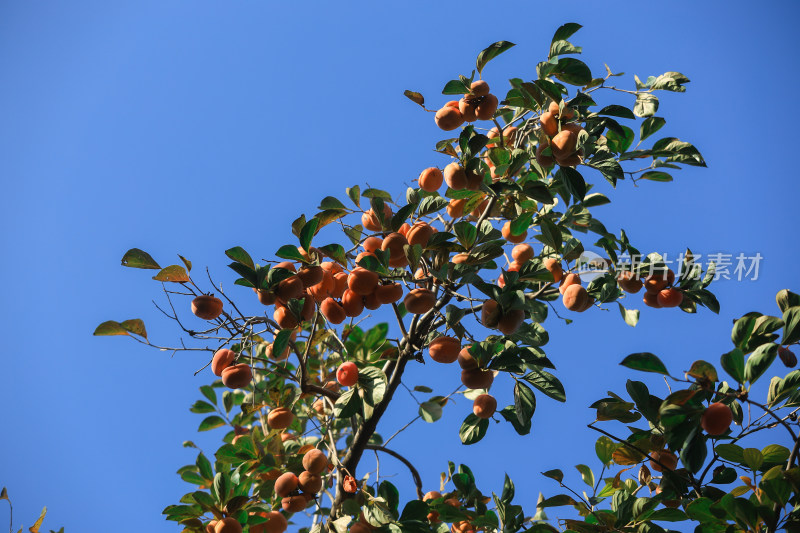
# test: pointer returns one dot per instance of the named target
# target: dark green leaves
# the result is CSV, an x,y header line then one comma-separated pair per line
x,y
650,126
733,363
455,87
289,252
136,258
473,429
645,362
572,71
238,254
524,402
547,383
565,31
491,52
211,422
308,232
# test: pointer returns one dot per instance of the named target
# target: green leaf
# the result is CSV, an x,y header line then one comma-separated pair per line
x,y
287,251
455,87
491,52
335,252
619,143
524,402
786,299
563,47
354,193
650,126
136,258
703,370
669,81
201,407
791,329
547,383
586,474
775,454
330,202
604,448
308,232
347,404
238,254
573,71
466,233
574,182
211,422
135,326
645,362
431,204
655,175
556,474
631,316
110,327
752,458
730,452
208,392
667,515
646,105
759,361
173,273
430,411
733,363
617,111
565,31
473,429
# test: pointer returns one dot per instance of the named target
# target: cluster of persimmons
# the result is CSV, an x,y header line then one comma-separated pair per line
x,y
338,292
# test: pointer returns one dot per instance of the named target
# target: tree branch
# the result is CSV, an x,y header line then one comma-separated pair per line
x,y
414,472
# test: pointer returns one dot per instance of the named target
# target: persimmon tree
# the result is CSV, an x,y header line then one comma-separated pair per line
x,y
469,266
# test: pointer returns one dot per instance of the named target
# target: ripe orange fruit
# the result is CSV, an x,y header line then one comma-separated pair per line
x,y
553,266
571,160
276,523
271,355
362,281
430,179
467,107
286,484
522,253
222,359
310,483
294,504
657,281
432,495
563,143
352,303
670,297
388,294
310,275
228,525
507,235
347,374
490,313
339,284
266,297
332,311
486,108
479,88
569,279
546,161
289,289
478,378
419,301
509,136
666,457
444,349
371,244
287,265
280,418
237,376
420,233
449,118
371,301
315,461
370,219
455,208
651,299
549,123
207,307
465,359
455,176
575,297
628,282
484,406
284,317
716,419
394,243
510,321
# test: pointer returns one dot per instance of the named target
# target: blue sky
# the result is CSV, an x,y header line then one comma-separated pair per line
x,y
193,126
